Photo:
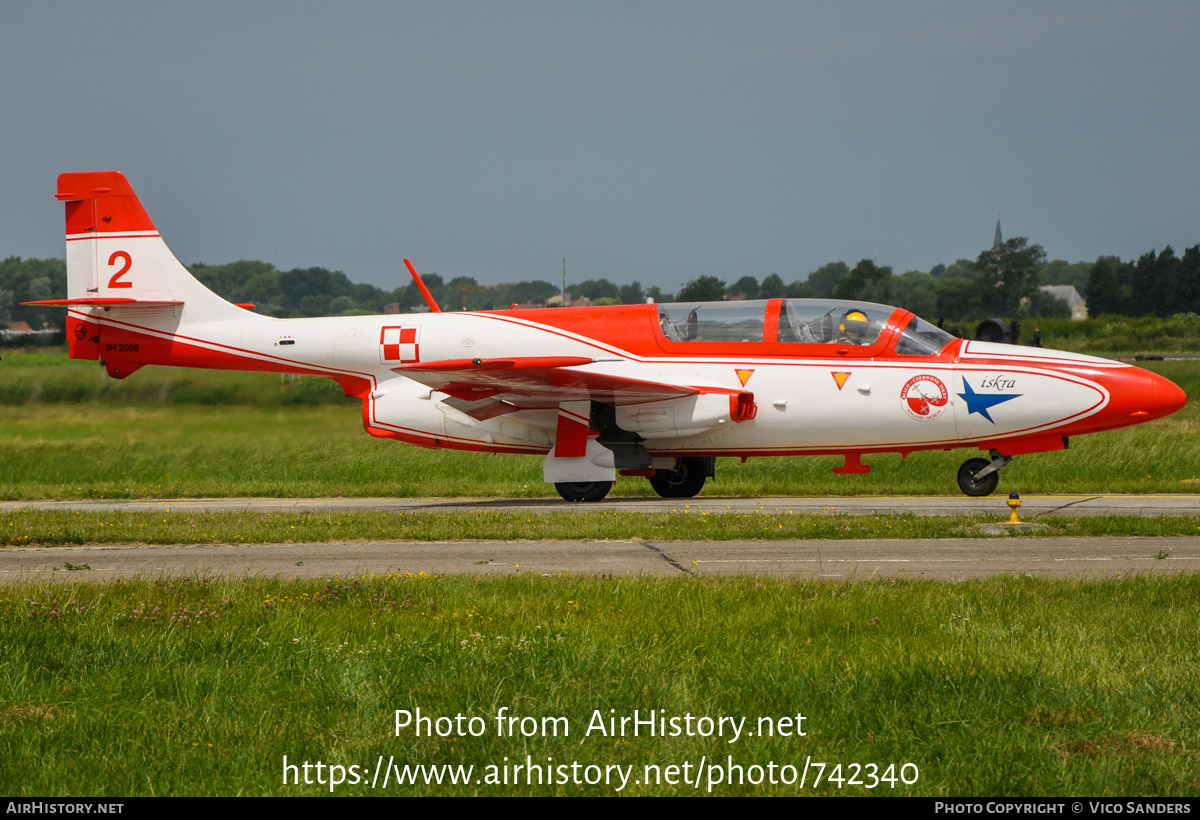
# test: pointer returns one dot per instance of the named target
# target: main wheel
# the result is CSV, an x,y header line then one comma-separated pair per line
x,y
968,483
684,481
583,490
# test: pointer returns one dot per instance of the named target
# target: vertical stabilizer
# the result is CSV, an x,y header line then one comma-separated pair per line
x,y
116,258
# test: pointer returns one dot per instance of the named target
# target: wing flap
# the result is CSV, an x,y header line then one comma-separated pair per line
x,y
483,409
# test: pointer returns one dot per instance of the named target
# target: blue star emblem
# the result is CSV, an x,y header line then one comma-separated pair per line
x,y
981,402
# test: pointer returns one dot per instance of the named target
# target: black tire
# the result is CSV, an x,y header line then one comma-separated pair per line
x,y
967,482
684,481
583,490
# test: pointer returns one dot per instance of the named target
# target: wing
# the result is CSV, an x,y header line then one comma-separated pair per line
x,y
483,388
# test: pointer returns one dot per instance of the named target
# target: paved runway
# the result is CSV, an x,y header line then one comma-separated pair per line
x,y
943,559
1031,505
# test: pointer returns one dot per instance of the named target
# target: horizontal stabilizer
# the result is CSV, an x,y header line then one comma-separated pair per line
x,y
106,302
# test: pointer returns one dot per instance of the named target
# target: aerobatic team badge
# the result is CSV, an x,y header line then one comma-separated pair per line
x,y
924,397
398,345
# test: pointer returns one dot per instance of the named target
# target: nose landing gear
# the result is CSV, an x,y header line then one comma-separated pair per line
x,y
978,477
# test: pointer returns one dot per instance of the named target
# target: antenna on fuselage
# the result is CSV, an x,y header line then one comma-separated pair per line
x,y
421,286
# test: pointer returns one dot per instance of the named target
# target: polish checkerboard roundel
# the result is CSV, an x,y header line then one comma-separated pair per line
x,y
399,345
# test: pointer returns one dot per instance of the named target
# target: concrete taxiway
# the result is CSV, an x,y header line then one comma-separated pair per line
x,y
942,559
945,559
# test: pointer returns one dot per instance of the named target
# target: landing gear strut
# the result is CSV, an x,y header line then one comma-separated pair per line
x,y
685,480
583,490
978,477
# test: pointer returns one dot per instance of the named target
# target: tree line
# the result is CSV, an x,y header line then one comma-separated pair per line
x,y
1002,281
1158,284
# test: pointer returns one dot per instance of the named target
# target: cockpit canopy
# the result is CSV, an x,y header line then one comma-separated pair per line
x,y
803,321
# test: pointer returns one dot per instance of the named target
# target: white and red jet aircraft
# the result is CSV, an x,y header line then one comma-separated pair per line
x,y
652,390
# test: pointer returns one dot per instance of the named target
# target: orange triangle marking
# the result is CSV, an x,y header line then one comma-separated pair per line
x,y
744,376
840,378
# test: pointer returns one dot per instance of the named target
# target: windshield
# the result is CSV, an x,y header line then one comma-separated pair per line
x,y
922,339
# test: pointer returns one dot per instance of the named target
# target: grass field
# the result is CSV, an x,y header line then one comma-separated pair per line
x,y
1002,687
168,432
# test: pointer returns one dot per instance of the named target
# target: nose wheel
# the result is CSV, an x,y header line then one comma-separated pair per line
x,y
978,477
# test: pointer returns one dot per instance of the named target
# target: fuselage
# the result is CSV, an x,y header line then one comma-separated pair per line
x,y
905,390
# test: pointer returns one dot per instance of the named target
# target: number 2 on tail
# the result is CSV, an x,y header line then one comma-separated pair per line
x,y
116,281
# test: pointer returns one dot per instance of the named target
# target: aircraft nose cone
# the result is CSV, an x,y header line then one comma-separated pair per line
x,y
1138,395
1166,397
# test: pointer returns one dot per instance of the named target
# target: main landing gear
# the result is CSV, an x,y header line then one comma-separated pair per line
x,y
685,480
583,490
979,477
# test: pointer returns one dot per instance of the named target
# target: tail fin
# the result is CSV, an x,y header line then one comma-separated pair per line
x,y
117,263
114,252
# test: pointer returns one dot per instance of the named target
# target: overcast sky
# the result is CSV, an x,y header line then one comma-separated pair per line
x,y
655,141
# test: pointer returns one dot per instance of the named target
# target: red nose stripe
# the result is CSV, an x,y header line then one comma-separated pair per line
x,y
1135,396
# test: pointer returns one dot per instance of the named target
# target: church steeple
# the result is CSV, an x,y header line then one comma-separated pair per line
x,y
998,244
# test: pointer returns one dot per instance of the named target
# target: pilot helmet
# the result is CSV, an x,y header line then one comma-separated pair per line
x,y
854,323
